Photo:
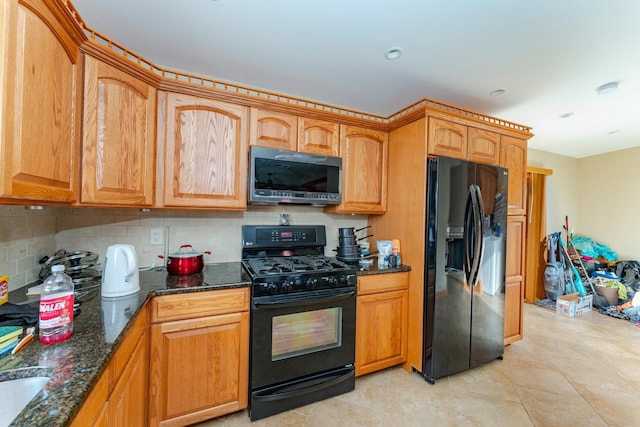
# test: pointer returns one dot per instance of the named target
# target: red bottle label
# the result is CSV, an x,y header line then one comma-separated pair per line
x,y
57,311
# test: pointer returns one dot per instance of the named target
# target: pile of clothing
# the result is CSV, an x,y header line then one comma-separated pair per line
x,y
627,282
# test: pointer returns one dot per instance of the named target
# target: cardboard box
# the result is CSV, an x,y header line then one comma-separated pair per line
x,y
571,305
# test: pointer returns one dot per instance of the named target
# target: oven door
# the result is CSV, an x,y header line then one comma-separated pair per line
x,y
297,335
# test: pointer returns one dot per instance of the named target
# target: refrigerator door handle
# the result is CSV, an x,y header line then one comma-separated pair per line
x,y
479,232
469,235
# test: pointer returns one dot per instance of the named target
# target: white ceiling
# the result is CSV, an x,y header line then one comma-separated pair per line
x,y
548,55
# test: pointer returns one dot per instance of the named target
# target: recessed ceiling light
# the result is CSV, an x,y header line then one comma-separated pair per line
x,y
565,115
497,92
607,88
392,54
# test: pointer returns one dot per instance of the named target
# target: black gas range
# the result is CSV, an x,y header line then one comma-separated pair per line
x,y
303,308
290,259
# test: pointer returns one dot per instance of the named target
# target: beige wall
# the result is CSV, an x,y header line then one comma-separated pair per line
x,y
26,236
562,192
598,193
610,200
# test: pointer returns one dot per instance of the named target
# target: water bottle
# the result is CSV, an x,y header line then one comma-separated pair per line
x,y
56,307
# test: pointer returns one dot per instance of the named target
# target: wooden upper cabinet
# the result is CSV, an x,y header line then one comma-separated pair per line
x,y
318,137
205,144
118,155
513,156
364,171
446,139
273,130
483,146
40,104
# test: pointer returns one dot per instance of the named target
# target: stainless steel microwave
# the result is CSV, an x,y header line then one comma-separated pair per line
x,y
279,176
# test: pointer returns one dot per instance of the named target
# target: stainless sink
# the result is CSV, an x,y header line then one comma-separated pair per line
x,y
16,394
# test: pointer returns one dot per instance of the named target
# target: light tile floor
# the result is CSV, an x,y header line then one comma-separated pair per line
x,y
582,371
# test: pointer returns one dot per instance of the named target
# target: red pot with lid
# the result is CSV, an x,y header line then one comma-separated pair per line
x,y
185,261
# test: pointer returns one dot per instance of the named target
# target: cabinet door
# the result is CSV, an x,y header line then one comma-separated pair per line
x,y
118,155
40,104
273,130
513,156
447,139
128,400
199,368
205,152
318,137
483,146
95,407
381,330
514,280
364,171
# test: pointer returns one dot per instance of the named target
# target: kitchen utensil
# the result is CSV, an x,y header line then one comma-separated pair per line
x,y
120,275
349,260
346,232
183,262
348,251
347,241
350,231
25,340
75,262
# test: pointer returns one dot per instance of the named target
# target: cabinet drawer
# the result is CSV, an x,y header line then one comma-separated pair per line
x,y
382,283
199,304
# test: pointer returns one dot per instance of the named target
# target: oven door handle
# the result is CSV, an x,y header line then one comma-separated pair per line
x,y
303,300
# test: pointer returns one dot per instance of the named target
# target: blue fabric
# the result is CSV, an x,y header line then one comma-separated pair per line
x,y
588,247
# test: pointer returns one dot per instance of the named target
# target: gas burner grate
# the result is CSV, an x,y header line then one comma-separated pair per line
x,y
294,264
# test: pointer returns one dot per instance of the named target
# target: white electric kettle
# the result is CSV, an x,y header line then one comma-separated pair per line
x,y
120,272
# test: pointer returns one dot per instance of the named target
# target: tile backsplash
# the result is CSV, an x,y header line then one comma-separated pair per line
x,y
28,235
25,237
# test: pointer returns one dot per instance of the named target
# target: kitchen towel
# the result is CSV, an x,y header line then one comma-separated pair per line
x,y
18,315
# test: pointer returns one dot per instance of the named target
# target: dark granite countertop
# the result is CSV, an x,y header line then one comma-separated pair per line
x,y
76,364
373,269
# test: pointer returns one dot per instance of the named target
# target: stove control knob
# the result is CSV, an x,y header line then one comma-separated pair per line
x,y
312,283
333,282
271,288
343,281
285,287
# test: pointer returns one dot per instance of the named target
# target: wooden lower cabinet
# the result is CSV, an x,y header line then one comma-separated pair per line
x,y
381,321
514,278
119,398
199,360
128,403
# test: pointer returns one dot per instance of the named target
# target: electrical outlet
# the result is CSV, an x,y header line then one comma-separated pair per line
x,y
156,236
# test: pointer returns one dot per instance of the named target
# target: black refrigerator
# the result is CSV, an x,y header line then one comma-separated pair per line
x,y
464,266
